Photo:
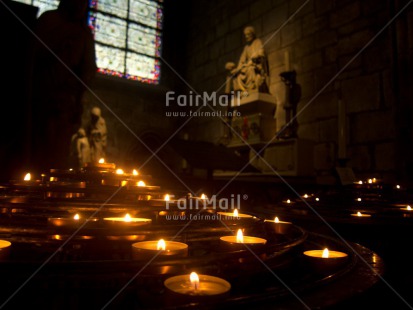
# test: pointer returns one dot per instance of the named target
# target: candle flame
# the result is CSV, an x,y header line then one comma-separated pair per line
x,y
235,212
141,184
123,183
370,181
305,196
119,171
326,254
358,199
161,245
317,199
240,236
127,218
135,172
276,220
203,196
101,161
167,198
27,177
409,208
359,213
398,186
360,182
76,217
193,277
288,201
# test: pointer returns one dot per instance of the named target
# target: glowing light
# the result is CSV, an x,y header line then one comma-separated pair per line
x,y
360,182
119,171
193,277
27,177
317,199
409,208
235,212
166,197
203,196
288,201
358,199
305,196
76,217
240,236
127,218
276,220
359,213
135,172
326,254
161,245
101,161
370,181
123,183
141,184
398,186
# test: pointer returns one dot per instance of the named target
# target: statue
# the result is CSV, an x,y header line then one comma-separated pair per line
x,y
80,149
97,134
251,74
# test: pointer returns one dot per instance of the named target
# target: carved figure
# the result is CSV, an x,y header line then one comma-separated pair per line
x,y
97,134
251,73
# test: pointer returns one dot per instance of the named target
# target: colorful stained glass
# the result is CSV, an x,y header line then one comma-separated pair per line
x,y
110,58
142,39
110,30
141,66
146,12
114,7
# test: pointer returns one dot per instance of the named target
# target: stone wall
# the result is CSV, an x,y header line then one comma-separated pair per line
x,y
328,43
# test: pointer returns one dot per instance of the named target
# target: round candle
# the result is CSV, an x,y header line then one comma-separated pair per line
x,y
196,288
127,220
237,242
4,249
166,249
73,221
359,214
279,227
234,216
407,208
325,260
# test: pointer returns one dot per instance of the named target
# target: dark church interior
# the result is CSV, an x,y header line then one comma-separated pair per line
x,y
206,154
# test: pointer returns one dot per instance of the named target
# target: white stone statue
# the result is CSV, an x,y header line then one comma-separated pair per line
x,y
251,73
80,149
97,134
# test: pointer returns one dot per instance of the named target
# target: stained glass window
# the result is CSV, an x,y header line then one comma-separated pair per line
x,y
127,36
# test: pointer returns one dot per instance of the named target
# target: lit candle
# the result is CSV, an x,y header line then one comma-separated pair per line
x,y
238,241
234,216
100,165
196,288
288,202
119,171
141,184
135,172
164,249
325,260
279,227
359,214
70,222
127,220
407,208
4,249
